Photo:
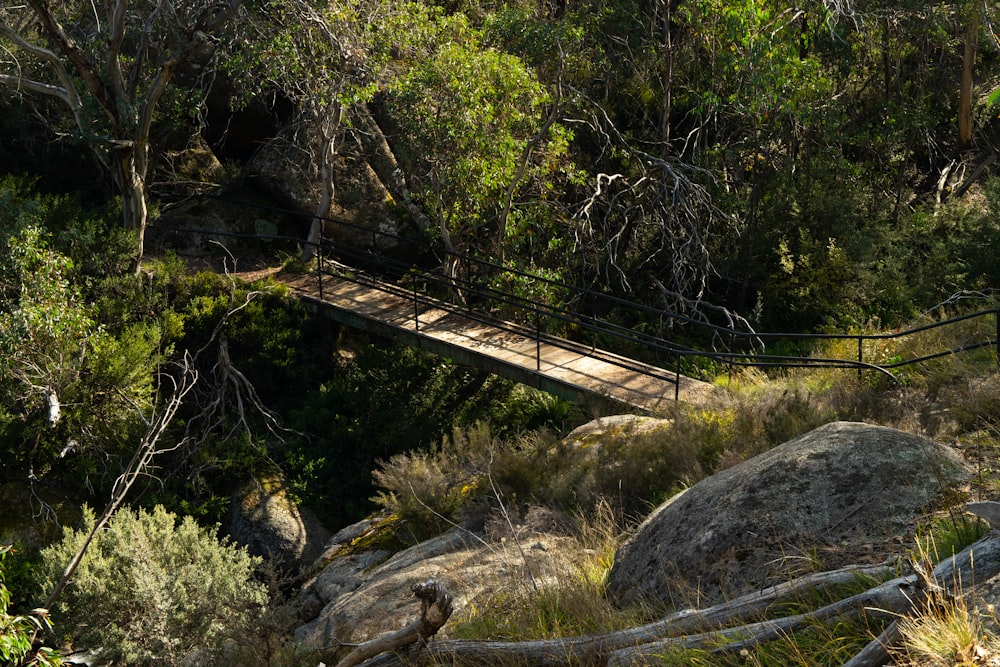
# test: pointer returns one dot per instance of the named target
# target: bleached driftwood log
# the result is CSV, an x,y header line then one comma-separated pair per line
x,y
598,648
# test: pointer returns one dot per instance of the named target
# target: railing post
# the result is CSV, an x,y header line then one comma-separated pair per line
x,y
677,379
416,309
468,281
319,262
732,351
861,358
538,342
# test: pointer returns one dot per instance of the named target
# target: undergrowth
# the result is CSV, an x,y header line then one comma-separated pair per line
x,y
613,479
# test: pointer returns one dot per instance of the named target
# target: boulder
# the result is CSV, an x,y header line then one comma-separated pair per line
x,y
265,519
364,591
843,492
597,430
286,169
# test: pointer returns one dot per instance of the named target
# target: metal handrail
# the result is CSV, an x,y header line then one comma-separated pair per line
x,y
536,312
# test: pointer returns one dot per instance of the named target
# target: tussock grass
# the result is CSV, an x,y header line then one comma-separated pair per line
x,y
945,632
953,399
578,606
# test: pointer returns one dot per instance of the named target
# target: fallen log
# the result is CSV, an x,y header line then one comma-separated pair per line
x,y
435,609
596,648
891,597
957,574
700,628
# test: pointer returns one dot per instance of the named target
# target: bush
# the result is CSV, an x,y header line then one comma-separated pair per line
x,y
152,591
17,632
428,489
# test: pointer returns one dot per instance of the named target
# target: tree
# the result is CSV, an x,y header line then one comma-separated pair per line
x,y
320,57
110,72
470,118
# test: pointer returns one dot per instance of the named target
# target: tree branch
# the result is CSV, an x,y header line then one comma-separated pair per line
x,y
435,609
78,58
67,93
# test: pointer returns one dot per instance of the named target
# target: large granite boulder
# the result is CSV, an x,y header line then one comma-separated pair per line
x,y
364,591
844,491
286,169
269,523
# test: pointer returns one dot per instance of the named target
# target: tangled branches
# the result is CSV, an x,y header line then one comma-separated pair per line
x,y
648,215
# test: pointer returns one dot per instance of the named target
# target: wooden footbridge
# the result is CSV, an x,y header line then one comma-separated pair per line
x,y
555,365
473,322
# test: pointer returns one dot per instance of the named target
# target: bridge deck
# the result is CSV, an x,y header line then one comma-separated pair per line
x,y
558,367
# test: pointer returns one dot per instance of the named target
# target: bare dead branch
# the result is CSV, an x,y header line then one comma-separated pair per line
x,y
148,448
435,610
701,624
648,208
694,628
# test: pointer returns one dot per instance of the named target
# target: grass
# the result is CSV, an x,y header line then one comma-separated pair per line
x,y
955,399
578,606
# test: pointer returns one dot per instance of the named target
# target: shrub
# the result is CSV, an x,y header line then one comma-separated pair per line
x,y
427,489
152,590
17,632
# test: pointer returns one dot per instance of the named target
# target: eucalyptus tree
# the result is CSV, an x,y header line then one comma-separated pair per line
x,y
110,70
315,54
479,136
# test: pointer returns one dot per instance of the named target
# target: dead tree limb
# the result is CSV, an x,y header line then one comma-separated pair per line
x,y
956,575
149,447
435,609
597,648
693,628
894,596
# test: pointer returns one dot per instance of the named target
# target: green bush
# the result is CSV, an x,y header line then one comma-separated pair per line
x,y
429,489
17,631
153,591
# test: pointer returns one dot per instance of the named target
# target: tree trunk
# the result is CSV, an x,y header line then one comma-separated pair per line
x,y
383,162
131,183
965,124
694,628
435,610
666,103
329,128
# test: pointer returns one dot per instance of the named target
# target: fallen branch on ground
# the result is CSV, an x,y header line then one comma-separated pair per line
x,y
435,609
694,628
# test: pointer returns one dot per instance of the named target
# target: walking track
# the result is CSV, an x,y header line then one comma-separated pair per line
x,y
554,365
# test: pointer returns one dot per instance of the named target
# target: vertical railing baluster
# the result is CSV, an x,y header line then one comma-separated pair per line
x,y
538,342
861,357
319,261
677,379
416,309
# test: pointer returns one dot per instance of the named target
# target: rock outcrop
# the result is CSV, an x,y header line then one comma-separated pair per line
x,y
363,593
269,523
839,491
286,168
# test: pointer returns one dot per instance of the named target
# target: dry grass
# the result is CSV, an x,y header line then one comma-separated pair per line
x,y
955,400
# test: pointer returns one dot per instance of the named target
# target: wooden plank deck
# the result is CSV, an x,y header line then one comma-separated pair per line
x,y
559,367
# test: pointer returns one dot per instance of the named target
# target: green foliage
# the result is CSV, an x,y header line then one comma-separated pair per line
x,y
63,375
17,631
467,114
430,489
154,590
946,535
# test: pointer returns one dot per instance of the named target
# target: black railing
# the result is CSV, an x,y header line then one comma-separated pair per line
x,y
470,293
